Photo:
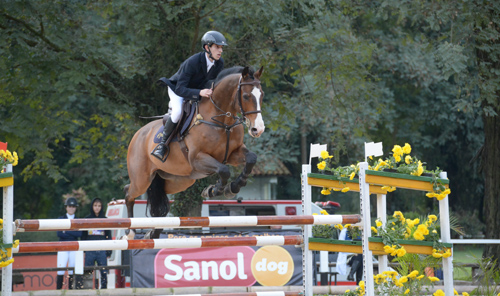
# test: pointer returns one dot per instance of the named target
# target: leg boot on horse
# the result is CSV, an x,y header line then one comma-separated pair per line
x,y
159,151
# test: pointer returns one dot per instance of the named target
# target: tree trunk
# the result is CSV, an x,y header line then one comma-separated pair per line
x,y
491,171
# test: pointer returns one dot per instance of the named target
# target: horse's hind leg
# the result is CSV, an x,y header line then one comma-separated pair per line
x,y
209,165
250,159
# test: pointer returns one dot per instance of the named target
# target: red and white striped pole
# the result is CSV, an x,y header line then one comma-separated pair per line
x,y
204,242
180,222
251,294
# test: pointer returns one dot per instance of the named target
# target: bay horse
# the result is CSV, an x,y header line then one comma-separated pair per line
x,y
211,143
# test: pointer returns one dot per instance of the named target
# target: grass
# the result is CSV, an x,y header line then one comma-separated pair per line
x,y
465,254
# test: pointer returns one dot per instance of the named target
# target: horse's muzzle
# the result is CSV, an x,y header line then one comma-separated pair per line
x,y
255,132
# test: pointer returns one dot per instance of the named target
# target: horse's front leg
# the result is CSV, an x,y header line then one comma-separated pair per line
x,y
239,156
207,164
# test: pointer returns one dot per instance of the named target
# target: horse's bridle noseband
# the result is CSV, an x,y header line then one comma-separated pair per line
x,y
256,82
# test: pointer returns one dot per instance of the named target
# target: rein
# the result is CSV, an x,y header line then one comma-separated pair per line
x,y
238,120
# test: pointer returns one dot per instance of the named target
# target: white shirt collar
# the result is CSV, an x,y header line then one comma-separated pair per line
x,y
209,63
70,216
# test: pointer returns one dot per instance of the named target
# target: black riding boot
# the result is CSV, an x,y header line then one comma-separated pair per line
x,y
159,151
59,281
71,282
354,268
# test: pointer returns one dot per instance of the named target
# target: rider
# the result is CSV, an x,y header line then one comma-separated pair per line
x,y
189,81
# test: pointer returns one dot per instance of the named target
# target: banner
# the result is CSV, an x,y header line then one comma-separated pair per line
x,y
218,267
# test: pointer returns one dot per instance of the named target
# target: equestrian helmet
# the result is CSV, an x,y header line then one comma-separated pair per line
x,y
71,201
212,37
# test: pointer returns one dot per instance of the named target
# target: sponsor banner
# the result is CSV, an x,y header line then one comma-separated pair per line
x,y
216,267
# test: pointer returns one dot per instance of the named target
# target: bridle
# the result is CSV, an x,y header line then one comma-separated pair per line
x,y
238,120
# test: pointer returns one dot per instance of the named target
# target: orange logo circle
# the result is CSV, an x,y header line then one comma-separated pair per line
x,y
272,266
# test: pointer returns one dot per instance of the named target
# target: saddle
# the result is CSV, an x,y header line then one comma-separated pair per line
x,y
181,130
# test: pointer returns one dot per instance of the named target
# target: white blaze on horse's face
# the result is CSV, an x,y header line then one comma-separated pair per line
x,y
257,128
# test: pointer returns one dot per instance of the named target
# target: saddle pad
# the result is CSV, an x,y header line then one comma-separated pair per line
x,y
185,126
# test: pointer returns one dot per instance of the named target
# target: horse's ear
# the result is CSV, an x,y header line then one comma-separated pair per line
x,y
244,73
258,73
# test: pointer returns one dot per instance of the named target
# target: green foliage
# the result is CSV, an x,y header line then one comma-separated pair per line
x,y
188,203
324,231
489,277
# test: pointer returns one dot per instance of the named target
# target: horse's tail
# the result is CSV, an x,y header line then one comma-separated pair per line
x,y
158,203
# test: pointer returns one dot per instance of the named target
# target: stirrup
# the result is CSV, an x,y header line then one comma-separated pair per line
x,y
165,152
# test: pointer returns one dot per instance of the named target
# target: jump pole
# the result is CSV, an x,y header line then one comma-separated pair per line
x,y
204,242
251,294
180,222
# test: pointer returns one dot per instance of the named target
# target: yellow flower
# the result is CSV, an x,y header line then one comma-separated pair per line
x,y
339,226
432,218
420,277
455,292
447,191
324,212
6,263
15,244
397,150
401,252
362,285
397,158
336,189
465,294
439,293
431,194
345,189
325,155
322,165
447,253
347,225
440,196
434,279
408,159
413,274
326,192
407,291
378,223
374,229
351,176
388,249
407,148
399,215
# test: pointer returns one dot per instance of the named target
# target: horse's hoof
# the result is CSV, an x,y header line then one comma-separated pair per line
x,y
207,192
228,194
129,235
153,234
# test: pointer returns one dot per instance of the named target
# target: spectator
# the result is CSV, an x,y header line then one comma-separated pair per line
x,y
99,257
67,258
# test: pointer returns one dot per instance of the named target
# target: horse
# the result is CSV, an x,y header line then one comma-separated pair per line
x,y
214,140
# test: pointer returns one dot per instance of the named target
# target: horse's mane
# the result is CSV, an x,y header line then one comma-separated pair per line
x,y
232,70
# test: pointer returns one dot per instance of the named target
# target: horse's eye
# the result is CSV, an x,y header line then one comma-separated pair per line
x,y
246,97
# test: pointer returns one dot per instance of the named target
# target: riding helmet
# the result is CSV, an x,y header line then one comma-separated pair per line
x,y
212,37
71,201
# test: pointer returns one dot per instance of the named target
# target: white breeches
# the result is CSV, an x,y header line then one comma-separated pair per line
x,y
65,258
176,105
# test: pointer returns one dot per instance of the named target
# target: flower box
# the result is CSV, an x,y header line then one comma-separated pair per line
x,y
375,245
6,179
411,246
402,180
330,181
